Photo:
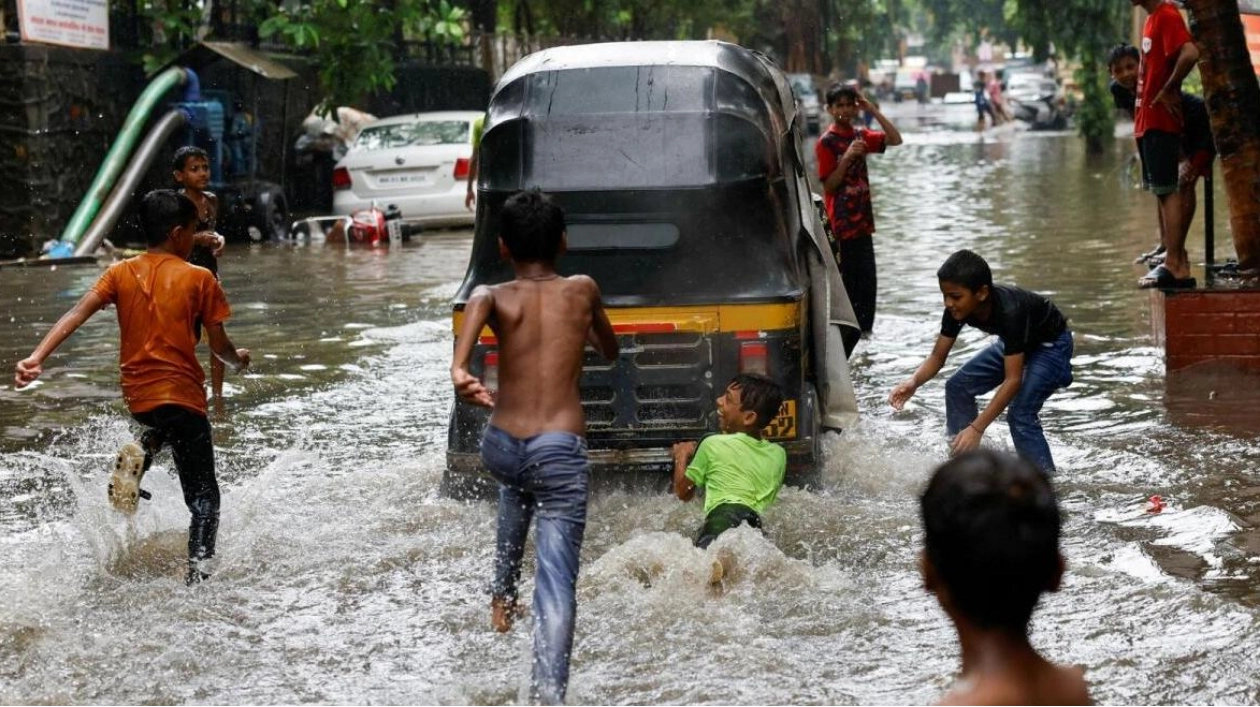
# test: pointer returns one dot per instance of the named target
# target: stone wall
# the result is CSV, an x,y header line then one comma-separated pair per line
x,y
60,110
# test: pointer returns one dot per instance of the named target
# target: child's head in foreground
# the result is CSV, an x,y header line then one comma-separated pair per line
x,y
749,403
991,536
531,227
166,214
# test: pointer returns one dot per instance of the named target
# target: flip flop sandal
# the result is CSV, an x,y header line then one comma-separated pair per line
x,y
124,483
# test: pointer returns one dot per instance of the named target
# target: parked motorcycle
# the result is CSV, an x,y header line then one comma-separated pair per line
x,y
1044,113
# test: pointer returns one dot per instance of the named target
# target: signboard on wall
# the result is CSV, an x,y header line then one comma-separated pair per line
x,y
70,23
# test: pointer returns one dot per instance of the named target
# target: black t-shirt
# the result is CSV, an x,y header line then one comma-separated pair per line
x,y
1196,133
1021,318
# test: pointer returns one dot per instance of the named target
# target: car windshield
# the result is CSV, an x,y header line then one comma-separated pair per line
x,y
418,134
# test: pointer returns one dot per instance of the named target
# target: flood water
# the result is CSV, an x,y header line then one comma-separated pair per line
x,y
344,577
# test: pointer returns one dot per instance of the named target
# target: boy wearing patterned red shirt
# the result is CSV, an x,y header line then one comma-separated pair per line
x,y
1168,54
841,153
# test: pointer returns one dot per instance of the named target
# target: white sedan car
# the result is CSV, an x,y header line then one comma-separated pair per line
x,y
417,162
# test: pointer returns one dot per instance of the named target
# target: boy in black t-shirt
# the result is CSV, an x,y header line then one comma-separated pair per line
x,y
1029,361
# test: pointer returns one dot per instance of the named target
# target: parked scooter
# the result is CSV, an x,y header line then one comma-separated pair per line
x,y
372,226
1042,113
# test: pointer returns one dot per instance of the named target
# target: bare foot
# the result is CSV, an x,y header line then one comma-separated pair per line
x,y
503,612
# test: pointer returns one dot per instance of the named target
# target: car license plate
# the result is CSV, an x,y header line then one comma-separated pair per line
x,y
783,426
402,180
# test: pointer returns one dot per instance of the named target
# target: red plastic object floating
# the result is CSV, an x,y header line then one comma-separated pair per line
x,y
1155,504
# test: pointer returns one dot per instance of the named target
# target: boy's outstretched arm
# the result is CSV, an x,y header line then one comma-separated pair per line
x,y
969,437
684,489
926,372
601,335
224,350
29,368
476,313
892,134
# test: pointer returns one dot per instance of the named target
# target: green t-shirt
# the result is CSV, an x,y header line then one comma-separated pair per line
x,y
736,468
478,129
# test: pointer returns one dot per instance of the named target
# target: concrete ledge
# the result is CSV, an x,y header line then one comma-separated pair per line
x,y
1197,326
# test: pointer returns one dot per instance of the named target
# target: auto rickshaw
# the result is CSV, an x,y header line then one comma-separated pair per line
x,y
680,171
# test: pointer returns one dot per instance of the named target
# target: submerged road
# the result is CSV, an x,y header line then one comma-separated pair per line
x,y
344,577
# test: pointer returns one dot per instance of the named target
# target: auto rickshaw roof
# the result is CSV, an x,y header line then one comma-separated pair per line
x,y
750,66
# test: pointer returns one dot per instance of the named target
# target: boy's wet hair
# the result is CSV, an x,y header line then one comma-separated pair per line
x,y
758,394
161,211
185,153
967,269
839,90
531,226
1122,51
991,530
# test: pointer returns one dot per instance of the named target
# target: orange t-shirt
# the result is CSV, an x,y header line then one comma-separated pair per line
x,y
160,301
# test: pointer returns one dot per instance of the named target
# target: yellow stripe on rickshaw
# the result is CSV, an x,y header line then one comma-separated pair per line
x,y
706,319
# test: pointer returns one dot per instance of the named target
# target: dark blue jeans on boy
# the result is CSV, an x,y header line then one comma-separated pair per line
x,y
544,476
1047,367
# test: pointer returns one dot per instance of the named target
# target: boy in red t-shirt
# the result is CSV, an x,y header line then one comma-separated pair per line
x,y
159,298
1168,54
841,153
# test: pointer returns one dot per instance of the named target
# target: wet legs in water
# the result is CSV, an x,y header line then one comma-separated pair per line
x,y
857,271
188,435
1046,369
543,478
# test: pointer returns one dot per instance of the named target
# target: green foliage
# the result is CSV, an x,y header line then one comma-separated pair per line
x,y
443,23
1096,115
354,41
173,25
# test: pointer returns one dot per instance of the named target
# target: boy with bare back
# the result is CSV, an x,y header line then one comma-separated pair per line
x,y
534,444
991,537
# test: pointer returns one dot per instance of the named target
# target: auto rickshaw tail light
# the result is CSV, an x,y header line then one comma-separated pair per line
x,y
754,357
490,370
341,178
462,168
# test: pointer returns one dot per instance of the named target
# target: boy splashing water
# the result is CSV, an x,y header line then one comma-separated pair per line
x,y
534,445
740,471
160,299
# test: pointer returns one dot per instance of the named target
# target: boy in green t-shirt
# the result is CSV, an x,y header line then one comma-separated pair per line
x,y
740,472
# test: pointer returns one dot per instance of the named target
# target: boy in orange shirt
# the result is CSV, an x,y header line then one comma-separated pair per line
x,y
159,299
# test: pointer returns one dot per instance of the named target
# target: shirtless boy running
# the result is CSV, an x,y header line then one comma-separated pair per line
x,y
534,444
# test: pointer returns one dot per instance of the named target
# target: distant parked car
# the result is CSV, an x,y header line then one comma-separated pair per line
x,y
417,162
807,100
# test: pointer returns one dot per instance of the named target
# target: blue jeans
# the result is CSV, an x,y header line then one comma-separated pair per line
x,y
1047,367
545,475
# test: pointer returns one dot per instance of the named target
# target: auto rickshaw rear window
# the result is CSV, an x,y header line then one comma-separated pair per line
x,y
622,236
620,89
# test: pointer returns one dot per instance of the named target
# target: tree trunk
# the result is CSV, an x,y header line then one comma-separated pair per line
x,y
1233,100
484,15
802,35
